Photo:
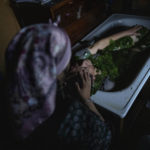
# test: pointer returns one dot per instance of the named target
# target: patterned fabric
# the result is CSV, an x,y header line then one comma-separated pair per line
x,y
34,58
82,129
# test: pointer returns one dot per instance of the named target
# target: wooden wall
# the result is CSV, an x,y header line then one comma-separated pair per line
x,y
8,28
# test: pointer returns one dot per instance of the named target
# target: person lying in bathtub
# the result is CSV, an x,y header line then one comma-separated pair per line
x,y
130,37
43,112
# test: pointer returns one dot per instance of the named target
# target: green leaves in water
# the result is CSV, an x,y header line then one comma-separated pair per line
x,y
104,60
104,63
143,32
122,43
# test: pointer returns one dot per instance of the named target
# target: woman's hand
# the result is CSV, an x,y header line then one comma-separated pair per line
x,y
85,89
85,92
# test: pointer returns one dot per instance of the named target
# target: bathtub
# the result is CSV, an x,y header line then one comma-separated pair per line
x,y
119,102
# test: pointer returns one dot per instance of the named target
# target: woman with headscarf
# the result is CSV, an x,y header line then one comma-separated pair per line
x,y
43,112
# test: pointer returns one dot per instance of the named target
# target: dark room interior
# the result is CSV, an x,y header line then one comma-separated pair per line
x,y
79,18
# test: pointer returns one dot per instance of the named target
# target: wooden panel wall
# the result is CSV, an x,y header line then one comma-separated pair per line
x,y
8,28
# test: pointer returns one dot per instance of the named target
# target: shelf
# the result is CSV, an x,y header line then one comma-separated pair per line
x,y
78,17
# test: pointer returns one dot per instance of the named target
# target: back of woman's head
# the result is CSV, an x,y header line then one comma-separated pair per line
x,y
34,58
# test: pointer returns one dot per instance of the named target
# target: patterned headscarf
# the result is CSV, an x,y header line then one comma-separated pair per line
x,y
34,59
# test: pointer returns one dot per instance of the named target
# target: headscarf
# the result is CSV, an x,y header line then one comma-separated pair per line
x,y
34,59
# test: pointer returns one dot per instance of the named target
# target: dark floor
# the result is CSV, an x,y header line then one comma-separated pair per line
x,y
135,125
140,126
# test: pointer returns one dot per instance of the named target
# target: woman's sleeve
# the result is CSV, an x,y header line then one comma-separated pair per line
x,y
83,128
